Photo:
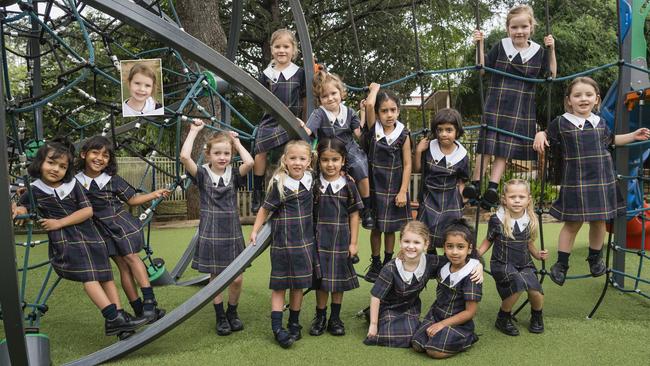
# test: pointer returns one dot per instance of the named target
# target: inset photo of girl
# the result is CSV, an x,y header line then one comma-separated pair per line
x,y
142,89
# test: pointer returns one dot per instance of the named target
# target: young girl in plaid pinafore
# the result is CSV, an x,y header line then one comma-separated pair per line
x,y
335,120
76,249
395,303
219,237
512,231
389,163
588,190
445,168
294,262
336,214
287,82
108,192
510,103
448,328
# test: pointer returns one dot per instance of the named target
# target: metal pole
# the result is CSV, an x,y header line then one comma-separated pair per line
x,y
37,82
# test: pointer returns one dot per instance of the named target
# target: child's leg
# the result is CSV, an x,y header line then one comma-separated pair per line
x,y
321,299
367,221
566,240
439,355
277,306
259,169
219,298
139,272
277,300
375,242
477,172
97,295
335,325
498,167
389,246
504,317
597,266
295,303
234,291
364,187
375,260
509,302
536,299
318,324
111,292
126,278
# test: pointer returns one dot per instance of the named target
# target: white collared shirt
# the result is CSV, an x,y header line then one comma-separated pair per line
x,y
274,75
522,222
85,180
61,191
512,52
456,277
294,184
452,159
391,137
407,276
340,119
580,121
149,109
214,177
337,184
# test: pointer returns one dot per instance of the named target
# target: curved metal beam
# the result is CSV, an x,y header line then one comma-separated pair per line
x,y
307,52
235,29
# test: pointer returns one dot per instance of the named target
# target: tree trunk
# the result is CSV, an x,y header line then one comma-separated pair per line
x,y
200,18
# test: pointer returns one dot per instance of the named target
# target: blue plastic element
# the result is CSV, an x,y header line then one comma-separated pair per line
x,y
625,10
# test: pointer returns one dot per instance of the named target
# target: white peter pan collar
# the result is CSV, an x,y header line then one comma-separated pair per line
x,y
274,75
526,54
336,185
408,276
391,137
227,174
456,277
452,159
85,180
580,122
61,191
522,222
294,184
343,115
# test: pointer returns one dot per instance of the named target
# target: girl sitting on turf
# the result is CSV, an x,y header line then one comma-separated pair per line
x,y
107,193
76,249
220,238
395,302
448,328
512,231
336,214
294,263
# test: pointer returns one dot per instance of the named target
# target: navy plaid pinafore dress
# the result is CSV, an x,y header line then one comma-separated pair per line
x,y
334,205
442,202
220,238
588,191
76,252
108,194
321,124
511,264
510,103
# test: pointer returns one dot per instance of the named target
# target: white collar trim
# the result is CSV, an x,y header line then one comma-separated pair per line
x,y
456,277
274,75
408,276
580,122
391,137
336,185
522,222
294,184
227,174
85,180
526,54
452,159
340,119
62,191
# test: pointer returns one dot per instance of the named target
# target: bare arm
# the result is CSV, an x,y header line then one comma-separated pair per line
x,y
485,245
354,233
400,200
461,318
246,158
419,149
186,150
480,56
261,217
549,42
140,199
76,217
370,105
537,254
374,316
641,134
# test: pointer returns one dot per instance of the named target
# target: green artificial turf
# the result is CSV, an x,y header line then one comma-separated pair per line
x,y
618,334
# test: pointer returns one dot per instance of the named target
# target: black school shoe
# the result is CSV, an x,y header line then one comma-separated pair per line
x,y
223,326
318,326
596,265
122,323
470,191
366,218
258,197
284,339
536,323
233,319
490,199
558,273
152,316
373,271
336,327
294,331
506,326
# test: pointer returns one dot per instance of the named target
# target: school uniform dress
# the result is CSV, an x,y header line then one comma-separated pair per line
x,y
453,290
442,201
324,124
287,85
336,201
386,167
399,292
121,231
512,267
151,108
294,262
588,191
77,252
510,103
220,238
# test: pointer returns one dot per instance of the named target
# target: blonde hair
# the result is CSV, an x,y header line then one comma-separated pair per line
x,y
217,138
322,78
281,173
141,68
285,32
417,228
530,210
581,80
525,10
